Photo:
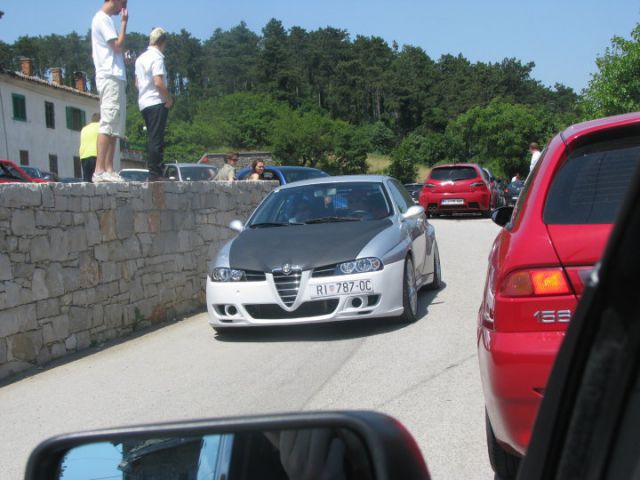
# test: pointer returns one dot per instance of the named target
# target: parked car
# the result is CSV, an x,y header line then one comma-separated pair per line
x,y
460,187
12,173
497,199
134,174
189,172
35,172
539,265
512,192
285,174
335,248
414,190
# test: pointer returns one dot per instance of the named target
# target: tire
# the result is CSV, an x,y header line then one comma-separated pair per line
x,y
436,283
409,293
504,464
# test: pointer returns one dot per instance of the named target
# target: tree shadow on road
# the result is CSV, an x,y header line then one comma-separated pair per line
x,y
327,332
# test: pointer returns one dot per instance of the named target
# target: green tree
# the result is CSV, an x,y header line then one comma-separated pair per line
x,y
405,159
615,88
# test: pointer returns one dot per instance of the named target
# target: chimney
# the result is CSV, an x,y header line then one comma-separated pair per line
x,y
26,66
80,80
56,75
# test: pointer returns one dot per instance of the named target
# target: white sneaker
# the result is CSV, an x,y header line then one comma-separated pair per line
x,y
113,177
99,177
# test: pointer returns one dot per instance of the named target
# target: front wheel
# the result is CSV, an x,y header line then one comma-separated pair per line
x,y
409,293
504,464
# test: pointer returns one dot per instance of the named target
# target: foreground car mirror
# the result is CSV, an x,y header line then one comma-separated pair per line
x,y
413,211
236,225
362,445
501,216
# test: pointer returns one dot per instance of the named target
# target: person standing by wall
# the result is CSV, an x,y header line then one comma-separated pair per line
x,y
535,154
89,147
107,46
228,171
154,99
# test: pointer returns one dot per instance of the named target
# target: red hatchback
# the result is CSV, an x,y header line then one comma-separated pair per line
x,y
12,173
459,187
538,267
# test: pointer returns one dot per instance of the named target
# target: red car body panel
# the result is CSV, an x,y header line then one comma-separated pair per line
x,y
519,336
25,177
474,193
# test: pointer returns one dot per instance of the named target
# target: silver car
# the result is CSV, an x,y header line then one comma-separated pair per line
x,y
322,250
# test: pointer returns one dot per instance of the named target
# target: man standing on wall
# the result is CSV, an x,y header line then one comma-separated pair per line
x,y
107,47
88,147
154,99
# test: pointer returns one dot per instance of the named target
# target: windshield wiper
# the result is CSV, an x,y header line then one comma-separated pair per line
x,y
268,225
332,219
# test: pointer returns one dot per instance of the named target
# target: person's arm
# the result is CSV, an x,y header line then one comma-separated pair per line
x,y
117,44
158,81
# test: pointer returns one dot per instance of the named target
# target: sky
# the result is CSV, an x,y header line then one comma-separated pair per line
x,y
562,37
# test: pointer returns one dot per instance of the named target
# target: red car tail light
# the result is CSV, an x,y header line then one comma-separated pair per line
x,y
526,283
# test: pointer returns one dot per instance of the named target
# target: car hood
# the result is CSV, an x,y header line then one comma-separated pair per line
x,y
304,246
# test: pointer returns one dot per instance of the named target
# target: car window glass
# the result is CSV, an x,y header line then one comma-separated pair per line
x,y
525,190
591,184
171,172
400,196
453,173
269,176
297,175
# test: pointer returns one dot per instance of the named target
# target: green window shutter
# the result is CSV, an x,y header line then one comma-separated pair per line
x,y
69,112
83,118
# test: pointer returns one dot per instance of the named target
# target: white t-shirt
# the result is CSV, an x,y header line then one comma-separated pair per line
x,y
148,65
534,158
107,62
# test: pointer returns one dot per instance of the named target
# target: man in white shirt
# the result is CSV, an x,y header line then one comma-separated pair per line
x,y
154,99
535,154
107,46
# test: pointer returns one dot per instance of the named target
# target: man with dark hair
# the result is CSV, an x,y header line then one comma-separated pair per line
x,y
228,171
107,47
154,99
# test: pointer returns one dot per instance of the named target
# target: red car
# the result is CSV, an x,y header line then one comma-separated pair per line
x,y
538,267
12,173
459,187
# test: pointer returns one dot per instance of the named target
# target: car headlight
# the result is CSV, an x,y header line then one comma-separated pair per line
x,y
361,265
222,274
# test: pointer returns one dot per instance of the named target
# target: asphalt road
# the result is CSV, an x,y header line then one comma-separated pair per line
x,y
425,374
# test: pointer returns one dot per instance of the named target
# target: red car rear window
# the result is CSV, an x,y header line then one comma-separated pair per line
x,y
453,173
590,187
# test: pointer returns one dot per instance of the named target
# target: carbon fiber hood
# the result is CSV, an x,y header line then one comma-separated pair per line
x,y
306,246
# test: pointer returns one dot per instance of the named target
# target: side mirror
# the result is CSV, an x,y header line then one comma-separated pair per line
x,y
413,211
236,225
362,445
501,216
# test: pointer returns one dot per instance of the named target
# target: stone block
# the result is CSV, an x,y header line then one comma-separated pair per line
x,y
44,356
71,343
83,340
130,248
22,347
109,272
124,222
108,225
92,229
23,269
39,284
21,195
55,280
77,239
58,350
47,218
6,272
18,319
57,330
23,222
79,319
40,249
48,308
60,245
71,278
3,351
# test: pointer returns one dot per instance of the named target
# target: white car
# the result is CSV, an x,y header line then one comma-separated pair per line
x,y
321,250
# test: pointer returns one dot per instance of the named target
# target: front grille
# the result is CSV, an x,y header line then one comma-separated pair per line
x,y
325,271
252,276
271,311
287,285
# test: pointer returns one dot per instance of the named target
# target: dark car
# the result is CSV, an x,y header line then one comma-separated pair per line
x,y
512,192
414,190
134,174
285,174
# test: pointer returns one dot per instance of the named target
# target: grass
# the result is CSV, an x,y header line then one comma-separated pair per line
x,y
377,163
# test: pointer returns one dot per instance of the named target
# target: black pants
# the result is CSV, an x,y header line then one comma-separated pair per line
x,y
88,166
155,118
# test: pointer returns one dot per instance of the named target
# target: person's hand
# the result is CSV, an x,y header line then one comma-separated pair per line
x,y
310,454
169,102
124,15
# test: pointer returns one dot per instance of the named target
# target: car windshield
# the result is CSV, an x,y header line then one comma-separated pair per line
x,y
590,186
324,203
33,172
198,172
453,173
295,175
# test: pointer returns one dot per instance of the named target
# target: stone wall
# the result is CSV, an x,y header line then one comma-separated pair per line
x,y
81,264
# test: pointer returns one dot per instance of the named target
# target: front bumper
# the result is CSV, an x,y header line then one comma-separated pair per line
x,y
514,368
245,304
471,202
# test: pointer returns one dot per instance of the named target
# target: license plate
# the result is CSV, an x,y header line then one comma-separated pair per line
x,y
341,288
453,201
